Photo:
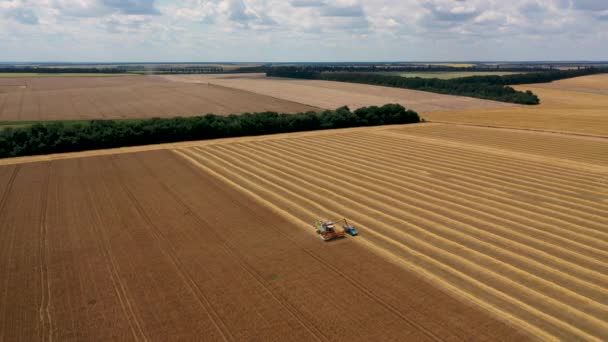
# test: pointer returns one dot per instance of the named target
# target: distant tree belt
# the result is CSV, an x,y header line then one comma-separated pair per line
x,y
62,70
45,138
484,87
411,68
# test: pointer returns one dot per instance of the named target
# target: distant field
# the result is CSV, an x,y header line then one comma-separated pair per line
x,y
85,98
446,75
127,97
576,105
26,74
454,65
326,94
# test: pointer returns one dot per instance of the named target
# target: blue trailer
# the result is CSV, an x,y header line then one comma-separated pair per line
x,y
350,229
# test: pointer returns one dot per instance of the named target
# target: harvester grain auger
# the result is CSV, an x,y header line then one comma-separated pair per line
x,y
350,229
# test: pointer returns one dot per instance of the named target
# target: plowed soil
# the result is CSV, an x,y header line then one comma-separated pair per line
x,y
149,246
73,98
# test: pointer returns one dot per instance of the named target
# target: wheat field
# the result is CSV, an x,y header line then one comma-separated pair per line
x,y
515,232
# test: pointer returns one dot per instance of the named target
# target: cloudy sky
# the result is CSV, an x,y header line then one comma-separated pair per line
x,y
302,30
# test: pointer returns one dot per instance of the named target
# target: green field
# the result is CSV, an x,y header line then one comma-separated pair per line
x,y
23,75
446,75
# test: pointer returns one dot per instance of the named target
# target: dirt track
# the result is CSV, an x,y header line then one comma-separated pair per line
x,y
72,98
146,246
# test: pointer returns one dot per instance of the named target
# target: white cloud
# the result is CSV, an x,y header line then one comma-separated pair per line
x,y
303,29
22,15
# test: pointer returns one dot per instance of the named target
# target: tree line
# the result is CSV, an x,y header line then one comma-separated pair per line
x,y
56,137
371,67
532,77
485,87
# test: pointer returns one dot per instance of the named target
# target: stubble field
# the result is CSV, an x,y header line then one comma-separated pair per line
x,y
576,105
466,233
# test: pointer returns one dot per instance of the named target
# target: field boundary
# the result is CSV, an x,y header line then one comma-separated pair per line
x,y
161,146
260,94
378,130
519,129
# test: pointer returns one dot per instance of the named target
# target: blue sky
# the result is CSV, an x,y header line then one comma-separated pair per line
x,y
302,30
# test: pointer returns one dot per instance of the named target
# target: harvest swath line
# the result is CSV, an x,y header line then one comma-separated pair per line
x,y
392,198
420,192
485,181
349,195
505,182
463,159
482,188
493,305
550,170
526,142
194,159
440,192
505,153
544,274
323,263
490,185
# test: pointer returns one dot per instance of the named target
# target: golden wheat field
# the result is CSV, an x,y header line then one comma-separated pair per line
x,y
466,233
521,232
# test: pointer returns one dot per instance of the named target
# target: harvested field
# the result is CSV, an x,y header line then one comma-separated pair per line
x,y
594,84
576,105
72,98
147,246
520,236
330,95
466,234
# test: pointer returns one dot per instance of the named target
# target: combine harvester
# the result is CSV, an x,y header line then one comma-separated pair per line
x,y
327,230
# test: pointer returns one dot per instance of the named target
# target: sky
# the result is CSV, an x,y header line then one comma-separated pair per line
x,y
302,30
